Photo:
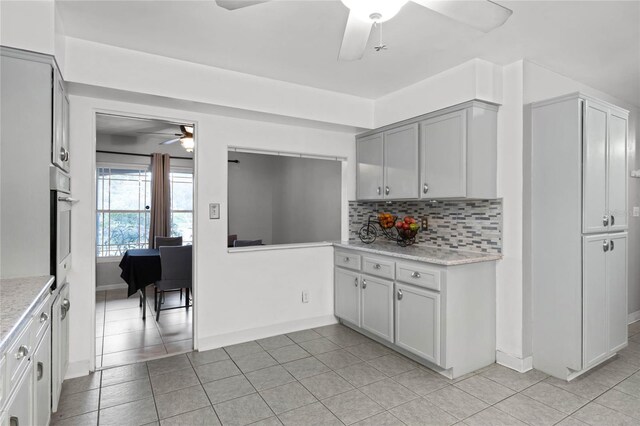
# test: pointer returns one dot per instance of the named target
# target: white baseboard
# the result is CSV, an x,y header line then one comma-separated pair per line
x,y
521,365
111,286
240,336
77,369
633,317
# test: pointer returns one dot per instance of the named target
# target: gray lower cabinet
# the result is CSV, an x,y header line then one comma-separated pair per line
x,y
19,409
347,295
377,307
441,316
417,321
42,381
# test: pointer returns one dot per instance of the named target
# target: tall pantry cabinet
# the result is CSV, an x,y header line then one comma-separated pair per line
x,y
578,233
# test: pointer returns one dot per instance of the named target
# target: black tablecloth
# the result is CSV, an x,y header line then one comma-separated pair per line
x,y
140,267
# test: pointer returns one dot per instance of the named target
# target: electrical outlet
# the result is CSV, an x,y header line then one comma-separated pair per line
x,y
425,223
305,296
214,211
636,211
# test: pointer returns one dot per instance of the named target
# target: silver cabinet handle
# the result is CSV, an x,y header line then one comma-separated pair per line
x,y
613,220
425,188
364,284
44,317
387,190
379,190
64,307
14,421
376,266
22,352
605,245
40,371
66,155
356,281
62,154
605,220
68,199
611,245
346,259
399,294
415,275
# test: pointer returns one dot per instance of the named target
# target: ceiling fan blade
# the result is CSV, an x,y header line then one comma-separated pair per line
x,y
159,133
237,4
483,15
354,41
169,142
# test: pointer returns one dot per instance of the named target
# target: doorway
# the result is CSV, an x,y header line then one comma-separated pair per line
x,y
139,317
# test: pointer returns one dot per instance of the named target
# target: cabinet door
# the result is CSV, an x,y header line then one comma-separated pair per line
x,y
377,307
370,167
594,160
401,162
56,379
57,150
417,325
617,291
19,409
42,381
594,300
617,172
347,296
443,145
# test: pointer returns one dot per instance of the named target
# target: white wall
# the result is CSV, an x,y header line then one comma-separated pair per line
x,y
112,67
238,296
541,83
28,25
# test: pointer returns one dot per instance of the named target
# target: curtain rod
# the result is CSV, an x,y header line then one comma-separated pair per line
x,y
148,155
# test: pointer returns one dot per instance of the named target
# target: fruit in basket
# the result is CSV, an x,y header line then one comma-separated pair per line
x,y
386,220
399,224
413,227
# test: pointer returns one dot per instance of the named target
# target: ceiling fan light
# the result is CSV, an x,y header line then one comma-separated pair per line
x,y
188,144
374,10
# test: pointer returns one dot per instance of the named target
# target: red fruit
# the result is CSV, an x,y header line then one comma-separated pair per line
x,y
405,226
399,224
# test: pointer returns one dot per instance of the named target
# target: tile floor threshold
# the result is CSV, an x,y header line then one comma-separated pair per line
x,y
332,375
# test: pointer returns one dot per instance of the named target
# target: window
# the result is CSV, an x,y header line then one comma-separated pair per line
x,y
124,194
123,207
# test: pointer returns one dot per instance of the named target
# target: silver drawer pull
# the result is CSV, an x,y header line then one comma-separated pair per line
x,y
356,281
40,371
376,266
399,294
346,259
22,352
44,317
415,275
364,284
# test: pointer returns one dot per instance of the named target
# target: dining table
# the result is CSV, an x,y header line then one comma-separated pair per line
x,y
140,268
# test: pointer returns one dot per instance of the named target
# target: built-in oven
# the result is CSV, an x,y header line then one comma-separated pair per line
x,y
61,203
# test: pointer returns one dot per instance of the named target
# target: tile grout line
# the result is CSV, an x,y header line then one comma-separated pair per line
x,y
203,389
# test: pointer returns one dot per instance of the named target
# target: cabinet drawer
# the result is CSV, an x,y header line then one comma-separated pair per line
x,y
347,260
18,357
41,321
418,275
378,267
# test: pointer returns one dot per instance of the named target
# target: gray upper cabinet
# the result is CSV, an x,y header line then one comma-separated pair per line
x,y
443,145
60,146
604,168
451,153
370,167
401,162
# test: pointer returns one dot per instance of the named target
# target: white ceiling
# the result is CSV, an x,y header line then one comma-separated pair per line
x,y
595,42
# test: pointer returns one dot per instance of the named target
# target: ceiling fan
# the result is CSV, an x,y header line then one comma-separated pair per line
x,y
185,137
483,15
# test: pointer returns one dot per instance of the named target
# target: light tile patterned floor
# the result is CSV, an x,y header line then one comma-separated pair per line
x,y
122,337
334,376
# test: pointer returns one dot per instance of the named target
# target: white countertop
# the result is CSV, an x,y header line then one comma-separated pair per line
x,y
19,297
420,253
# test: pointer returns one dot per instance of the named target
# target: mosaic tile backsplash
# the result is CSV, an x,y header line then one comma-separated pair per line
x,y
462,225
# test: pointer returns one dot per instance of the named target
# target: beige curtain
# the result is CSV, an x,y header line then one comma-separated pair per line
x,y
160,198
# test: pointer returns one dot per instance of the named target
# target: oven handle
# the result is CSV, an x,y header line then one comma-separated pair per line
x,y
68,200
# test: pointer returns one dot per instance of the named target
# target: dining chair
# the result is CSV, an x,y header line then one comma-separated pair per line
x,y
165,242
247,243
177,273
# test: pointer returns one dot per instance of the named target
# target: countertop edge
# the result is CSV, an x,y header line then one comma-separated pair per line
x,y
20,322
482,257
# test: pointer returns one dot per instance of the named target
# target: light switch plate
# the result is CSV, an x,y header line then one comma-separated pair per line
x,y
636,211
214,210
